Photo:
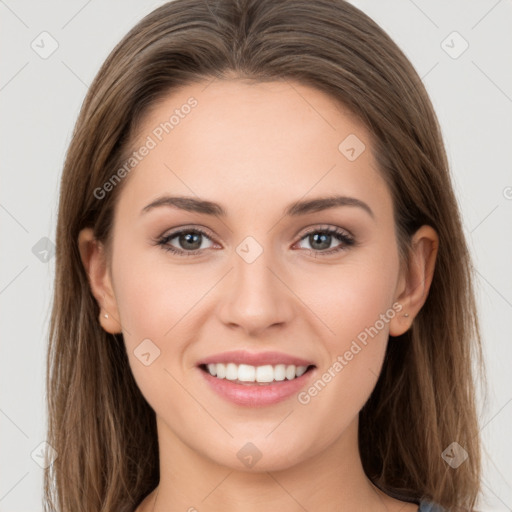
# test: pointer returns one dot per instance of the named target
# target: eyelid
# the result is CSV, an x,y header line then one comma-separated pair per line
x,y
326,227
186,228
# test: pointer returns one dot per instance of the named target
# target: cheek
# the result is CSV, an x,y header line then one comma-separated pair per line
x,y
351,297
153,297
355,304
153,302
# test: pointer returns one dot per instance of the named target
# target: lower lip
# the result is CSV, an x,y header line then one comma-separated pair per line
x,y
255,395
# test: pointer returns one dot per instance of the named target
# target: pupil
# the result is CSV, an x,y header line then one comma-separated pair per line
x,y
324,237
188,240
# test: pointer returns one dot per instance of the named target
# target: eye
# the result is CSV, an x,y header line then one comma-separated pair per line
x,y
320,240
190,241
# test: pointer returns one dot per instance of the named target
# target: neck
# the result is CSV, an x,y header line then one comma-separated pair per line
x,y
333,479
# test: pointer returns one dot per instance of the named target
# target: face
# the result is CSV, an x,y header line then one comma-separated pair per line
x,y
268,282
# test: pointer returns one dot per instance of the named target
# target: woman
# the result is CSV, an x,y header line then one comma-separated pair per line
x,y
202,357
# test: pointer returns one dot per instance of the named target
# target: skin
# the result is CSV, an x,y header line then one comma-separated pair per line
x,y
256,148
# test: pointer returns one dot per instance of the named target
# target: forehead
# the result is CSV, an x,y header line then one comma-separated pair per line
x,y
236,139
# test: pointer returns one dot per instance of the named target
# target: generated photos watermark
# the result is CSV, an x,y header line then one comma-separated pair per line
x,y
157,135
305,397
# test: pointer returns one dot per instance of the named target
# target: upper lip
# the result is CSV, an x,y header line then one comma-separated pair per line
x,y
255,358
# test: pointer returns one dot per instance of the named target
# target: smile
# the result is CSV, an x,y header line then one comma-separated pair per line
x,y
248,374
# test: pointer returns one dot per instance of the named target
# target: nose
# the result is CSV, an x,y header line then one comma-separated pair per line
x,y
255,295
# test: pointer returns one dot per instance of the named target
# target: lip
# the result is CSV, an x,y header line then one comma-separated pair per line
x,y
257,395
255,358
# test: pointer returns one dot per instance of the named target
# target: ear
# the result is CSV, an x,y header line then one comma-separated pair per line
x,y
414,282
94,259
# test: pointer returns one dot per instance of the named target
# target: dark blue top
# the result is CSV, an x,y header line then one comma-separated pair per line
x,y
427,506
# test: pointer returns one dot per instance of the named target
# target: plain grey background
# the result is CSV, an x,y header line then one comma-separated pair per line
x,y
51,51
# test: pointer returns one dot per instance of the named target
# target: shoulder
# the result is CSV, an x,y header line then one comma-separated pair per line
x,y
428,506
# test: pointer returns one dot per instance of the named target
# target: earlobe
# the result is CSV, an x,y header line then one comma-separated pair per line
x,y
416,280
94,260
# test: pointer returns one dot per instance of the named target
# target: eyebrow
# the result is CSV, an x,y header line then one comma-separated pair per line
x,y
295,209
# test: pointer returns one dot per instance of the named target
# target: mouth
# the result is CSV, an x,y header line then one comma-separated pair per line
x,y
249,375
256,379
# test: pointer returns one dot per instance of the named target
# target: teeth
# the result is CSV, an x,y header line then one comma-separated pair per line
x,y
231,371
290,372
261,374
221,371
265,373
279,371
300,370
246,373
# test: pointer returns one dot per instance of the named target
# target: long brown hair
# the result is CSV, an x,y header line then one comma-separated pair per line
x,y
103,430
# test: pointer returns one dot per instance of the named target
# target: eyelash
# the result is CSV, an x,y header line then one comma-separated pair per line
x,y
341,235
